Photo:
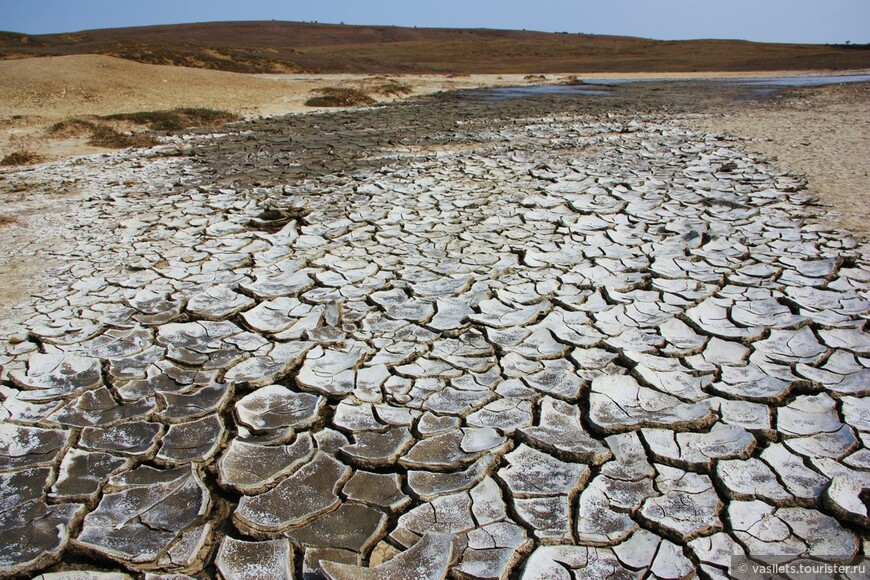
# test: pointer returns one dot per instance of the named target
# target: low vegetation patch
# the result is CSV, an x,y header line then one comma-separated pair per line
x,y
7,220
392,89
21,157
340,97
71,128
104,136
103,131
176,119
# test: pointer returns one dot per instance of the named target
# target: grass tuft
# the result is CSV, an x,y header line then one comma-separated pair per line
x,y
392,88
339,97
71,128
102,136
176,119
21,157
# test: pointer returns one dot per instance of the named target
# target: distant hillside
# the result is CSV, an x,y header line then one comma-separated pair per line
x,y
259,47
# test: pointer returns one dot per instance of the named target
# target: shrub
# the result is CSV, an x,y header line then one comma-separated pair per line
x,y
338,97
176,119
103,136
21,157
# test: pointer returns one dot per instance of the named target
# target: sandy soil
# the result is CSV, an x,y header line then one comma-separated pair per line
x,y
823,133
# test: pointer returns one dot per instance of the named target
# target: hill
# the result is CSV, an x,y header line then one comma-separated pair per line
x,y
281,47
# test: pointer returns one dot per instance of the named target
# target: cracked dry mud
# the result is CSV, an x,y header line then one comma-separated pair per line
x,y
511,344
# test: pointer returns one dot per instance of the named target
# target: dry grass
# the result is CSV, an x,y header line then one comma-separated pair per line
x,y
21,157
103,130
340,97
104,136
71,128
392,89
177,119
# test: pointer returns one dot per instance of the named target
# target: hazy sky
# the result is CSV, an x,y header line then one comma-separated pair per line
x,y
812,21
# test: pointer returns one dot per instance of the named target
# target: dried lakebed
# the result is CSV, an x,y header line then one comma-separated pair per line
x,y
511,345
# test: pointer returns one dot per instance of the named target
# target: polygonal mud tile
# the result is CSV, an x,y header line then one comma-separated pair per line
x,y
82,474
844,498
792,346
196,402
560,432
841,373
639,550
496,314
430,424
716,550
315,556
353,417
856,412
451,315
276,407
568,562
196,441
154,308
201,343
851,339
596,522
149,511
557,378
752,383
805,484
531,473
218,303
507,414
369,381
35,535
376,489
469,351
267,367
354,527
766,530
372,450
539,345
310,491
252,468
699,450
428,558
834,445
134,439
329,372
243,560
454,450
808,415
548,517
56,375
445,514
618,403
711,316
20,487
428,485
493,551
24,447
688,507
754,417
670,563
274,316
270,284
749,479
99,408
